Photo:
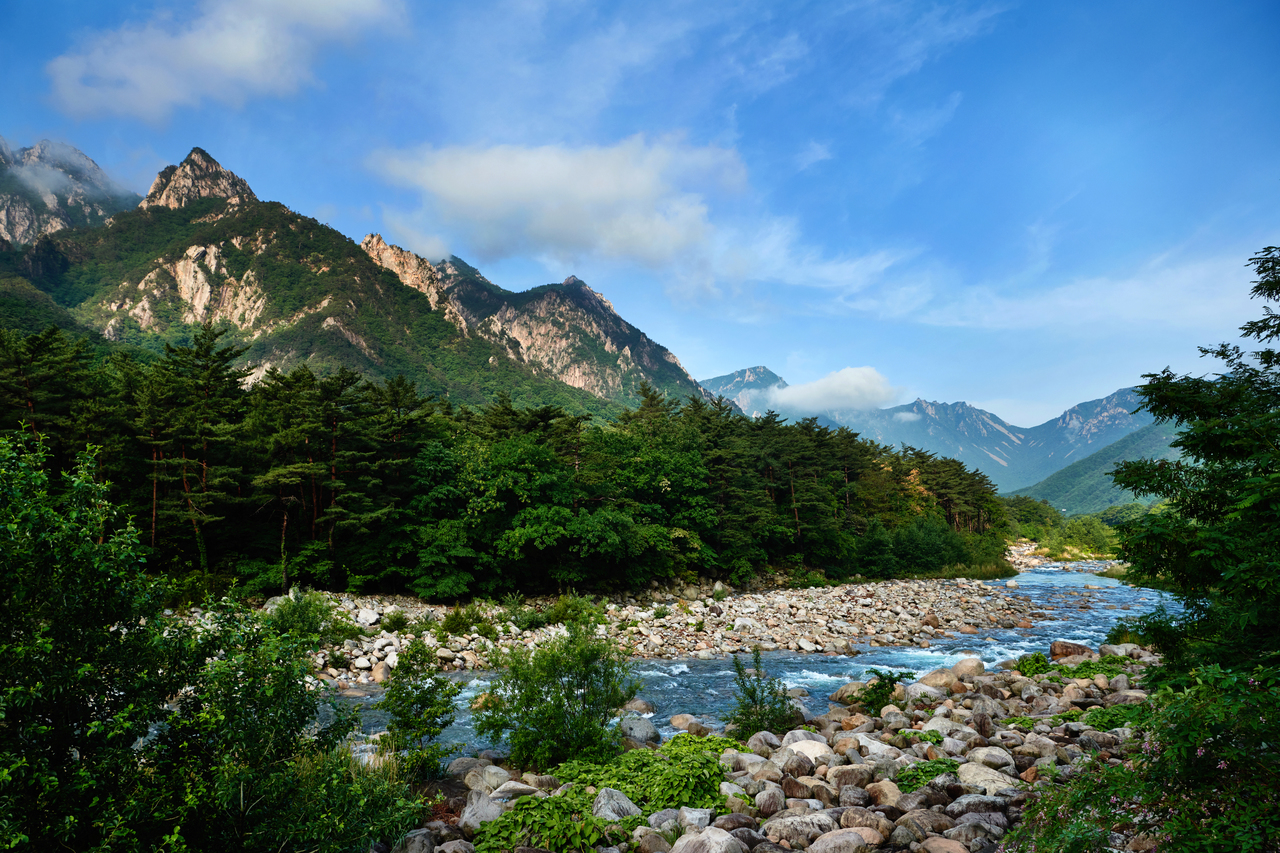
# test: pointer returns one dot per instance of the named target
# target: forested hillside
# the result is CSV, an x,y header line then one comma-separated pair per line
x,y
341,482
1085,486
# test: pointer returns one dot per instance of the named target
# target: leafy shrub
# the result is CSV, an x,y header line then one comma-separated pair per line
x,y
879,692
1034,664
461,620
394,622
1119,716
311,616
420,702
1024,722
558,701
684,771
574,608
661,612
553,823
762,702
932,736
921,773
524,617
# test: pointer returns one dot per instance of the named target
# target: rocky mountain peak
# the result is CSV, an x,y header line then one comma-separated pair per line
x,y
198,176
6,153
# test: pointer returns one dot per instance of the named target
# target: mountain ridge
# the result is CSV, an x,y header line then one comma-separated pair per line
x,y
201,247
1012,456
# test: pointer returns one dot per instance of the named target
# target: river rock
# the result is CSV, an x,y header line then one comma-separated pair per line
x,y
417,841
969,668
709,840
1064,648
841,841
640,729
480,809
983,776
612,804
799,830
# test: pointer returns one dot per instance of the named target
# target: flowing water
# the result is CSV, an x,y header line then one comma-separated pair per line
x,y
705,688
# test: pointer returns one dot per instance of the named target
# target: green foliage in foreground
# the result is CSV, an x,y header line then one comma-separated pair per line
x,y
879,690
917,775
557,701
1207,779
762,702
125,730
312,616
685,771
421,704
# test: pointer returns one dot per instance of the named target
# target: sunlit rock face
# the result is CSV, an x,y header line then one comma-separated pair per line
x,y
198,176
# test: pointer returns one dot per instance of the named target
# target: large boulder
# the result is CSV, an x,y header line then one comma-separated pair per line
x,y
640,729
709,840
799,831
479,809
612,804
841,841
800,734
418,841
1065,648
991,756
989,780
969,668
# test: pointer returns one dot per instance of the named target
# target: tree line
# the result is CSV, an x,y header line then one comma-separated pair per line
x,y
343,483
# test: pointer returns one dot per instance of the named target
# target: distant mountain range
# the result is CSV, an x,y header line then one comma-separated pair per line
x,y
1013,457
1084,487
202,247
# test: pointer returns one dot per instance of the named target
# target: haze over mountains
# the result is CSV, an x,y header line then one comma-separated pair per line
x,y
201,247
1012,456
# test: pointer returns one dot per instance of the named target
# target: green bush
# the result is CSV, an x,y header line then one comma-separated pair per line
x,y
394,622
524,617
916,776
313,617
879,693
574,608
420,702
558,701
762,702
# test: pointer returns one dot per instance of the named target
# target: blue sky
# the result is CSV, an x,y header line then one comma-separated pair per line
x,y
1021,205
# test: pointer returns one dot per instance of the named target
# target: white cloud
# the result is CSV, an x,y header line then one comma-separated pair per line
x,y
229,51
916,126
849,388
636,200
651,203
906,417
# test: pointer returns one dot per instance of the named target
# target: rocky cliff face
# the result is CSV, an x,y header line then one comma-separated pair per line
x,y
50,187
198,176
565,331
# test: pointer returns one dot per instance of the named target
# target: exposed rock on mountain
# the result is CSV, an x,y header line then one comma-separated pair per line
x,y
566,331
198,176
202,248
747,388
50,187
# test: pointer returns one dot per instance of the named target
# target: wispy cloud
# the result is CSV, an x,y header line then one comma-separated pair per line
x,y
814,152
647,202
849,388
228,51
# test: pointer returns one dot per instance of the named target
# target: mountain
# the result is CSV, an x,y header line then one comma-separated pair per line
x,y
1084,487
201,247
1012,456
565,331
747,388
51,187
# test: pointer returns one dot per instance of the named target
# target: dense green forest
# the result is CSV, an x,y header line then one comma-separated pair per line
x,y
342,483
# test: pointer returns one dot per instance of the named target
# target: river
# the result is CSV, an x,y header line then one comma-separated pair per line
x,y
705,688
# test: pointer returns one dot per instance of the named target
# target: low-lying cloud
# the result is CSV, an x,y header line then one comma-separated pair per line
x,y
849,388
228,51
